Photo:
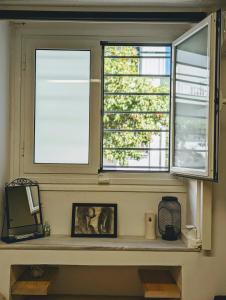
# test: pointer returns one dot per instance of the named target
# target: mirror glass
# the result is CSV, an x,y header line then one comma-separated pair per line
x,y
23,211
23,206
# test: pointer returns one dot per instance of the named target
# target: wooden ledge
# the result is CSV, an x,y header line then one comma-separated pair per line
x,y
64,242
159,284
26,285
82,297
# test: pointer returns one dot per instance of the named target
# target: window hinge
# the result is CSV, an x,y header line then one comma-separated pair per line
x,y
22,150
24,63
217,100
217,95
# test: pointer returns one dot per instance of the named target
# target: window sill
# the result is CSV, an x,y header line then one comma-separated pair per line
x,y
114,188
123,243
163,183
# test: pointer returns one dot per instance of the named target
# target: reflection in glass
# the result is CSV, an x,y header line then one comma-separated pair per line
x,y
192,102
33,199
62,106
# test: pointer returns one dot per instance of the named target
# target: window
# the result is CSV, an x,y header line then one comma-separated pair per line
x,y
159,108
136,102
62,106
196,99
136,93
61,95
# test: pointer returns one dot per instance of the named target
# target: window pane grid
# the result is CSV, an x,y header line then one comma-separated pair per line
x,y
140,167
136,98
135,130
136,112
138,75
134,93
142,149
191,102
138,56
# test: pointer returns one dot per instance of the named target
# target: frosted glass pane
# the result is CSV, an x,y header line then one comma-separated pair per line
x,y
192,102
62,106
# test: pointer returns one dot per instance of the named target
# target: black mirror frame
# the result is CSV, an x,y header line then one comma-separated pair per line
x,y
6,237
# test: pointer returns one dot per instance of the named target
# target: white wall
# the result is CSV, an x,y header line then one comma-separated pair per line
x,y
57,208
4,106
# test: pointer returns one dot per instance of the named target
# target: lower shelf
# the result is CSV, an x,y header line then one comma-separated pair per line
x,y
156,282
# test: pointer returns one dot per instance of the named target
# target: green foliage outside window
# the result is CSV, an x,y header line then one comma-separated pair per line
x,y
131,103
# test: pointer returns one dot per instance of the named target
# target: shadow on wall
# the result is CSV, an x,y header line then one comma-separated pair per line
x,y
219,203
2,297
4,106
1,214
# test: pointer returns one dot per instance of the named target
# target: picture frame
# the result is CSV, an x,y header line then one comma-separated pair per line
x,y
94,220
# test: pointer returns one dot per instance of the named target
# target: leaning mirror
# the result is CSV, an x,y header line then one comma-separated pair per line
x,y
23,214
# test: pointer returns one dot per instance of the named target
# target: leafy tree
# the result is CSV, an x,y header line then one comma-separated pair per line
x,y
130,103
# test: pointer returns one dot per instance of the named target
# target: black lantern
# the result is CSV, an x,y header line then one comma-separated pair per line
x,y
169,218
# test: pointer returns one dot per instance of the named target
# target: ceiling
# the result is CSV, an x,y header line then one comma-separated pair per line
x,y
150,3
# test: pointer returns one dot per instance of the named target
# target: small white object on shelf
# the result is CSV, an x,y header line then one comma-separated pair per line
x,y
190,237
150,221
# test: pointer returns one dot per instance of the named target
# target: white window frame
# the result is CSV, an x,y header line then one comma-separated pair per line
x,y
70,174
27,115
210,173
24,33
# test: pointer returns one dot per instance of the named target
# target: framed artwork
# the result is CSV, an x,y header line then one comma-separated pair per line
x,y
94,220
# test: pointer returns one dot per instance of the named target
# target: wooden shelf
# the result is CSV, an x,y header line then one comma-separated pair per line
x,y
159,284
26,285
80,297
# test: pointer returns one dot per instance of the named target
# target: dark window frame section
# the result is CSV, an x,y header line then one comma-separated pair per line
x,y
217,94
102,16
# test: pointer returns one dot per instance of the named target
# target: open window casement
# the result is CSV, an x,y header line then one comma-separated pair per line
x,y
195,100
